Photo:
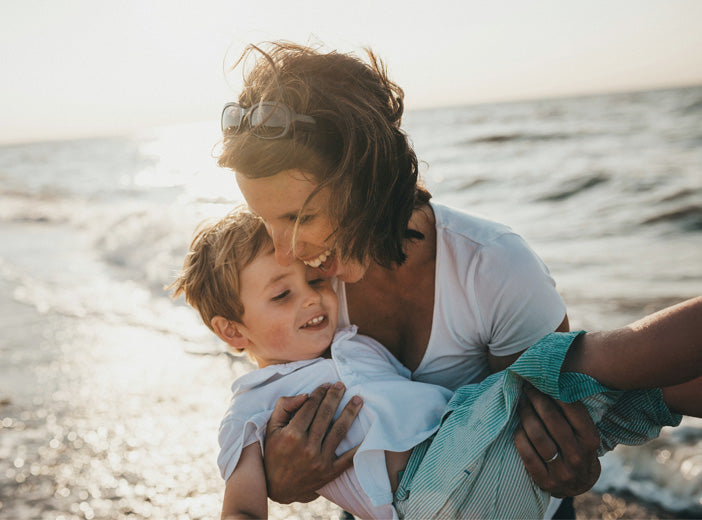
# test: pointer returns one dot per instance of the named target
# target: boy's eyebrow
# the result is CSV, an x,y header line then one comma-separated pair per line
x,y
271,281
276,279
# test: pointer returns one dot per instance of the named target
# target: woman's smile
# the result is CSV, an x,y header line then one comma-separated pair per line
x,y
279,200
319,260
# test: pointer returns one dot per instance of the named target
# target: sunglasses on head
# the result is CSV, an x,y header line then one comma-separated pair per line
x,y
267,119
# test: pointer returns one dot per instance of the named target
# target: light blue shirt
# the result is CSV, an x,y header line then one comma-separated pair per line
x,y
471,469
397,415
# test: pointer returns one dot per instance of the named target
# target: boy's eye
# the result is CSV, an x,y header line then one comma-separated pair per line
x,y
280,296
316,281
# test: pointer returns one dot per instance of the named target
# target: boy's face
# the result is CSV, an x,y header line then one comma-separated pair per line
x,y
290,312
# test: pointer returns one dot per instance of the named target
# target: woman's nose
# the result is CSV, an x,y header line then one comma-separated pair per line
x,y
285,256
283,246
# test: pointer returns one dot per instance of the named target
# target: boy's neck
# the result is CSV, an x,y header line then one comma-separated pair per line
x,y
263,363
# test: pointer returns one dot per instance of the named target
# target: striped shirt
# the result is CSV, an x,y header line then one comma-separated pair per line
x,y
471,468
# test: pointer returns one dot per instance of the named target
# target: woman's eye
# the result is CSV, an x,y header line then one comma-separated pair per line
x,y
280,296
304,219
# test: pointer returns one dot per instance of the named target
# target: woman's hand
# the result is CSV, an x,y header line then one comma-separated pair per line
x,y
558,444
301,440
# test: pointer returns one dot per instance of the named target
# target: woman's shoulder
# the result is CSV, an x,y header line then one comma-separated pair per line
x,y
458,223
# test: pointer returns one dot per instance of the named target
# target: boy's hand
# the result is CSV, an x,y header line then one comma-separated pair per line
x,y
549,427
301,440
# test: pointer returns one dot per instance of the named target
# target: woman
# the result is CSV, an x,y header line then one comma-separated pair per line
x,y
316,145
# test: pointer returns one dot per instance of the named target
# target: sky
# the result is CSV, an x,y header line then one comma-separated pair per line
x,y
80,68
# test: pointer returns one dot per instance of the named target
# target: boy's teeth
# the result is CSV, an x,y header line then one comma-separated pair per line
x,y
315,321
316,262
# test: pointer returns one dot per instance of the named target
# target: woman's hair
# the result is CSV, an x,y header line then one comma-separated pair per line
x,y
211,274
356,149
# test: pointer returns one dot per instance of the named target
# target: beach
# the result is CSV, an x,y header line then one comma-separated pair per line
x,y
111,393
112,435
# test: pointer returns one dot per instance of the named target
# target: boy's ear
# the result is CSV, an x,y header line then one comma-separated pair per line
x,y
229,332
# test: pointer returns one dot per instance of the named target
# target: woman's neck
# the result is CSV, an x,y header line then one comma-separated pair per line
x,y
395,306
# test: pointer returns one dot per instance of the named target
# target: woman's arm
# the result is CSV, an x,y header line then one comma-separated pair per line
x,y
660,350
685,399
300,443
245,493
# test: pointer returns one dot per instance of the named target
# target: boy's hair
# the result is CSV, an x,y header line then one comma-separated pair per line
x,y
210,278
356,148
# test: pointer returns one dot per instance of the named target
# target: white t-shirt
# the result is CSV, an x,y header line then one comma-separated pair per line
x,y
492,294
397,414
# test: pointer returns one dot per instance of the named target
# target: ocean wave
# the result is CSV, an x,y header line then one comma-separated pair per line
x,y
687,218
681,194
666,471
574,187
466,185
504,138
148,244
23,207
695,106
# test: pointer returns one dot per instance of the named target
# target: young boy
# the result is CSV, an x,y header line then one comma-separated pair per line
x,y
423,452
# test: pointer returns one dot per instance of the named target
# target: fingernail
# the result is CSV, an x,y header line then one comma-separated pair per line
x,y
325,385
339,385
356,400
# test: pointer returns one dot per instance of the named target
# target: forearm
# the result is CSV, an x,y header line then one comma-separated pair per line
x,y
245,491
663,349
685,399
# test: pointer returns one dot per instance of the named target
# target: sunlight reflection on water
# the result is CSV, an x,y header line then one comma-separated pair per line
x,y
123,425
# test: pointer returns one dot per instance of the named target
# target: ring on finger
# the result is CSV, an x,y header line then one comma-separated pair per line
x,y
552,459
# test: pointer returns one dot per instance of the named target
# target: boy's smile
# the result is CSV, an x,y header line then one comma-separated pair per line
x,y
290,312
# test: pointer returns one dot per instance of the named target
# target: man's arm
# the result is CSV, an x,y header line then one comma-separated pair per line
x,y
245,494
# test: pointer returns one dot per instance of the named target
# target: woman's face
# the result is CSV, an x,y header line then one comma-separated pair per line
x,y
277,200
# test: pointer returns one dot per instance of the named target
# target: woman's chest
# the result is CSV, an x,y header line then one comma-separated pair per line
x,y
397,313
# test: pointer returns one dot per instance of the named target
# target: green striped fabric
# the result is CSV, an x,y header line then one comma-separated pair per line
x,y
471,469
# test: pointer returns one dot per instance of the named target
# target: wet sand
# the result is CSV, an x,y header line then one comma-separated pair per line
x,y
106,420
613,507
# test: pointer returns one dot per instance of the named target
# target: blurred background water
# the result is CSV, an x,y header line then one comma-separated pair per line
x,y
111,393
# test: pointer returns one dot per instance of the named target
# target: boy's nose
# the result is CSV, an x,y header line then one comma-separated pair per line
x,y
312,297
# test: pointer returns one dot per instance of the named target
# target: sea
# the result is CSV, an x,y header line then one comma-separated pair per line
x,y
111,392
